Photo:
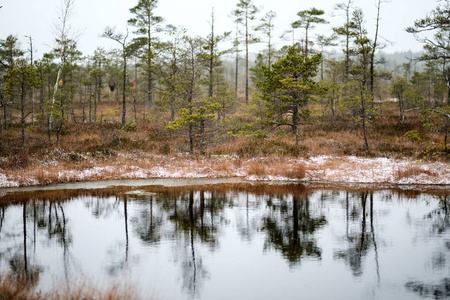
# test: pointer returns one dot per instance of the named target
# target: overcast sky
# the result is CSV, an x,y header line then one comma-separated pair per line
x,y
36,18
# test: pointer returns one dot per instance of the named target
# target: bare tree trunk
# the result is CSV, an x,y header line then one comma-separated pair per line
x,y
32,89
124,82
246,58
237,65
62,33
372,55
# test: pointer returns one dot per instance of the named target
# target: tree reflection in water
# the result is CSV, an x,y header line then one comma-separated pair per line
x,y
119,260
192,226
195,225
440,223
358,236
44,217
290,228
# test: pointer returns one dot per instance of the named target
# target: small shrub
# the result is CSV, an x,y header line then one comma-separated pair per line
x,y
129,126
412,136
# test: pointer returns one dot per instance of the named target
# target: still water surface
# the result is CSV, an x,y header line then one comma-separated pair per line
x,y
232,241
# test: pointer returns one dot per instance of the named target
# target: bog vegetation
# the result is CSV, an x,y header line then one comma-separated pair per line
x,y
165,92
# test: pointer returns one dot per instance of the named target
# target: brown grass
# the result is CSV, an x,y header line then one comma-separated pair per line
x,y
297,171
224,166
256,168
83,147
14,289
412,171
273,166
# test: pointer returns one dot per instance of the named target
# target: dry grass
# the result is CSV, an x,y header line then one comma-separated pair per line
x,y
413,171
297,171
276,167
104,151
14,289
256,168
225,167
114,292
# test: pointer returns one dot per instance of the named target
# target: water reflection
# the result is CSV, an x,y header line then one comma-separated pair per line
x,y
359,235
225,240
291,228
439,220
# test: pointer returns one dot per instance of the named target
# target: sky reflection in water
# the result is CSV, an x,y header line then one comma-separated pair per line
x,y
232,241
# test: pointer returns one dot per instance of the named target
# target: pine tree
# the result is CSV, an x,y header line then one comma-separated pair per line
x,y
288,87
19,81
308,19
244,13
148,24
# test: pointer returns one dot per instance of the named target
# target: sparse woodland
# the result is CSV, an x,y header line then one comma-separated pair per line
x,y
166,93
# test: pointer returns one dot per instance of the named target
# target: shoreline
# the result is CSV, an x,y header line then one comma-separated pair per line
x,y
134,166
186,182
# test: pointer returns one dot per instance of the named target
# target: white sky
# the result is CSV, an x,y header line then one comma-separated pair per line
x,y
36,18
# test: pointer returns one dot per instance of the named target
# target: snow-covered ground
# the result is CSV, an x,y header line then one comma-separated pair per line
x,y
348,169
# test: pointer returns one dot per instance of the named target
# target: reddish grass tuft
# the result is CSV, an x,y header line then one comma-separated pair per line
x,y
256,168
412,171
296,171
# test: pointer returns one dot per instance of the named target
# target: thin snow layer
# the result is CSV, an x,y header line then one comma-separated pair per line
x,y
348,169
376,170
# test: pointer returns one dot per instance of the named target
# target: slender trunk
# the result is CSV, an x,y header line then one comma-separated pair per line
x,y
24,220
447,81
306,41
125,212
237,65
269,52
321,66
295,122
347,42
55,90
95,108
150,66
90,105
32,88
22,111
83,105
211,58
366,143
174,84
124,82
363,100
363,222
246,58
190,100
402,109
372,55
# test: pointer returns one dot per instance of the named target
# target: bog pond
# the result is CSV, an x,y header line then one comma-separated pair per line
x,y
231,240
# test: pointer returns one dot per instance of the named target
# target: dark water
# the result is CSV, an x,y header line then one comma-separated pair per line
x,y
232,241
